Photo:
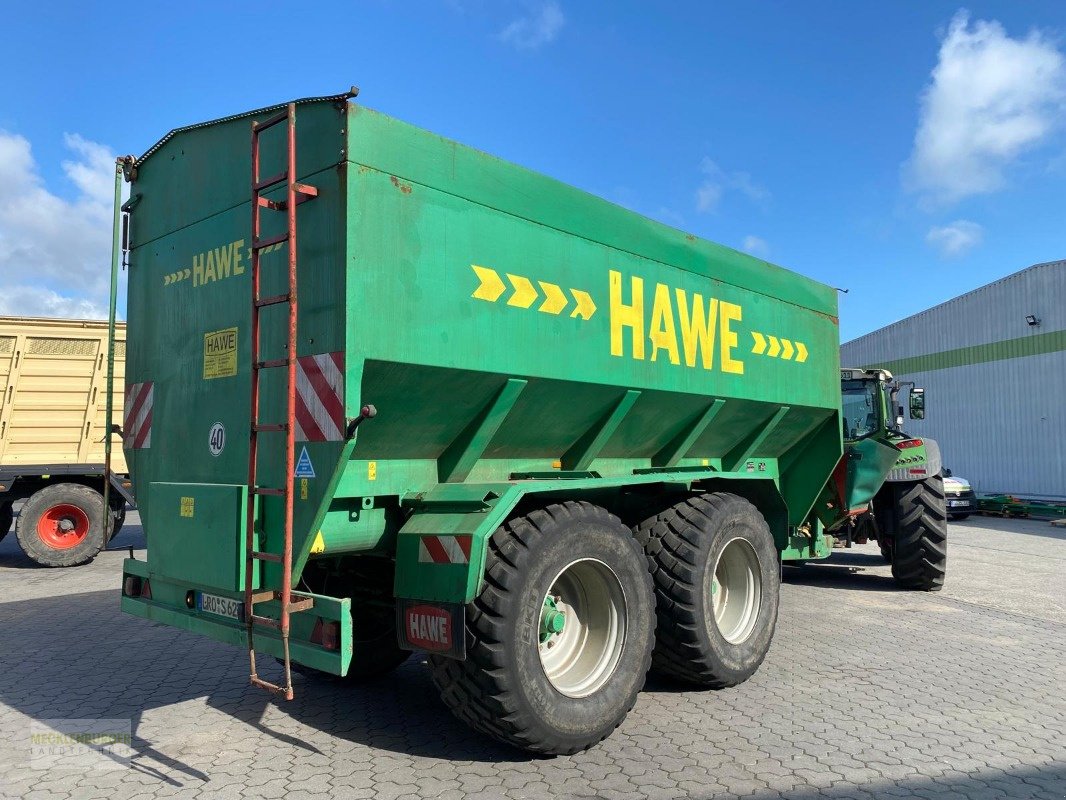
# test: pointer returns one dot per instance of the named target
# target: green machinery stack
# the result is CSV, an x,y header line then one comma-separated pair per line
x,y
548,370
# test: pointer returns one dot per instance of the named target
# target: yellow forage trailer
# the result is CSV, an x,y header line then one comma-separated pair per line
x,y
53,373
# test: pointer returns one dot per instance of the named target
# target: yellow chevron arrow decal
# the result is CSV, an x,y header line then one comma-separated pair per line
x,y
186,273
585,307
491,286
166,280
801,352
787,350
760,343
524,292
554,298
775,347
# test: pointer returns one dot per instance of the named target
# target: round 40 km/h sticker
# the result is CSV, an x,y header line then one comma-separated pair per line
x,y
216,440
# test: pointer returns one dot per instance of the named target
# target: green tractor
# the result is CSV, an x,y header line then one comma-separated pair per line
x,y
888,484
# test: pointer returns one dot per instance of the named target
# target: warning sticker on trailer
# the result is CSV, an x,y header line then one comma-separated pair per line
x,y
220,353
304,467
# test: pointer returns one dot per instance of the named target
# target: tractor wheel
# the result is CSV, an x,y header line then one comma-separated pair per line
x,y
920,538
716,575
560,638
6,516
62,525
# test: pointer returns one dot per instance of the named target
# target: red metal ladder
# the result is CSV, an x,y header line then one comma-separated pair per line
x,y
296,194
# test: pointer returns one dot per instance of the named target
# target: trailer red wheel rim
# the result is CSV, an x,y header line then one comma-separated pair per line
x,y
63,526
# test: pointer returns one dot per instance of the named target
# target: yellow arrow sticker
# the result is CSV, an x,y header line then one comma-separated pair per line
x,y
778,346
491,286
524,292
554,298
585,307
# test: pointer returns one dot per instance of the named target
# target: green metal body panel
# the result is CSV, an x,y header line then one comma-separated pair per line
x,y
209,518
517,336
868,462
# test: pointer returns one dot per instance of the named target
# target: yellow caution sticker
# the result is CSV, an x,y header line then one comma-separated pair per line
x,y
220,353
188,506
319,544
303,488
372,470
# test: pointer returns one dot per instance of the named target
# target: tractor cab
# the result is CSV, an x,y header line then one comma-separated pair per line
x,y
869,404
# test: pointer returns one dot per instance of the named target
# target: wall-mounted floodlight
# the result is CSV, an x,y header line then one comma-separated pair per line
x,y
1032,320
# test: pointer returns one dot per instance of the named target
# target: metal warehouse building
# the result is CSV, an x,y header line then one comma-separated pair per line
x,y
993,364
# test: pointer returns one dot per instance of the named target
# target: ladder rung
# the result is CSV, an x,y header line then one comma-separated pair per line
x,y
272,301
262,597
272,687
273,362
274,557
301,605
303,191
259,244
266,492
284,426
271,121
273,180
270,622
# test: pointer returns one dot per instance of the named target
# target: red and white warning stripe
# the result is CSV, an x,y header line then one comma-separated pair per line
x,y
444,549
320,398
137,426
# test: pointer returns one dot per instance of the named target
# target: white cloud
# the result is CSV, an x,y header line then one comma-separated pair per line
x,y
55,253
538,28
990,99
956,238
716,182
756,246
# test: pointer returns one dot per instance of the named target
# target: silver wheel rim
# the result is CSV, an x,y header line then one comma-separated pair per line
x,y
736,590
579,659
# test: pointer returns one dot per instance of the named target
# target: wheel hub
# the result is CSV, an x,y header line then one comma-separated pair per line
x,y
63,526
582,628
736,590
552,620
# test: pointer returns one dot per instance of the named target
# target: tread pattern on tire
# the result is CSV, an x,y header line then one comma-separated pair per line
x,y
921,535
671,541
480,691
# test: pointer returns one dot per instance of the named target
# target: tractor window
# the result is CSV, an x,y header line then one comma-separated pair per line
x,y
860,407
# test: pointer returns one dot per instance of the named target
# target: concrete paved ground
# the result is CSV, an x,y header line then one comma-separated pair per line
x,y
867,692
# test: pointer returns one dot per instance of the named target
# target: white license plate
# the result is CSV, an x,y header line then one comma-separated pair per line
x,y
956,503
221,606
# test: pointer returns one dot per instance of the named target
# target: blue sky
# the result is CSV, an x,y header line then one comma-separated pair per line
x,y
906,151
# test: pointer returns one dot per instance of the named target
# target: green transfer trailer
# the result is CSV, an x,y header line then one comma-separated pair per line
x,y
404,396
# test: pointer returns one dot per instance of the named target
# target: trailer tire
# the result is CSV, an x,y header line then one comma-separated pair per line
x,y
118,516
920,538
378,653
566,692
717,578
7,514
61,525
